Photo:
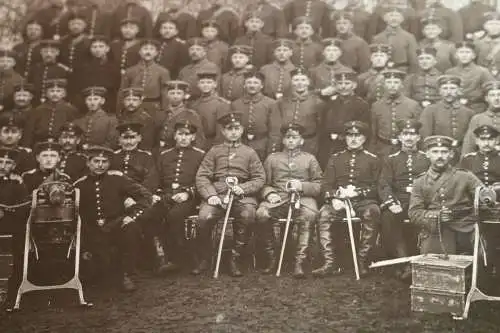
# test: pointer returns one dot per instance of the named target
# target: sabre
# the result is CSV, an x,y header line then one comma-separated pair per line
x,y
231,183
293,202
348,211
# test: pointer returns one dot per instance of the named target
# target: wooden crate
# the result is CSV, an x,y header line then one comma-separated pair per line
x,y
432,272
436,301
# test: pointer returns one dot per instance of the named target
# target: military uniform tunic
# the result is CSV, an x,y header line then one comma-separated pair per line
x,y
403,47
472,16
125,54
210,108
74,51
137,164
317,11
277,79
323,75
232,84
35,177
42,72
99,128
261,48
227,19
217,52
177,114
355,53
306,54
450,21
150,128
422,87
445,53
27,56
8,80
173,55
486,166
189,74
273,17
488,54
371,85
73,164
489,117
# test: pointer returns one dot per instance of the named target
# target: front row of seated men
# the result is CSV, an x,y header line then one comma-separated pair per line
x,y
116,210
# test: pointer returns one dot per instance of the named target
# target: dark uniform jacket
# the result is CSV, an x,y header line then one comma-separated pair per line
x,y
261,48
486,166
371,85
74,51
360,21
210,108
137,164
377,24
41,73
472,16
227,19
189,74
236,160
489,117
359,168
174,115
231,84
185,21
399,170
131,8
73,164
25,160
277,79
150,128
35,177
275,25
54,21
488,54
177,170
355,53
125,54
450,20
27,56
12,192
217,52
307,54
8,80
422,86
403,47
173,55
317,11
46,121
323,75
445,54
99,128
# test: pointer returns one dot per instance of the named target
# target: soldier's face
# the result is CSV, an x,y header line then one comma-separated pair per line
x,y
345,87
197,52
10,135
355,140
129,30
239,60
7,63
168,30
183,137
492,27
176,96
393,85
94,102
253,85
282,53
439,157
449,92
303,31
486,144
69,141
409,139
98,165
48,159
393,19
293,140
129,141
207,86
332,53
343,26
34,31
300,83
254,24
49,54
493,98
232,132
465,55
379,59
426,61
432,31
77,26
148,52
210,33
99,49
56,94
23,98
6,166
132,102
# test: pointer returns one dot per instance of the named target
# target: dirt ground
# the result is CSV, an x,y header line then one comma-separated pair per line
x,y
254,303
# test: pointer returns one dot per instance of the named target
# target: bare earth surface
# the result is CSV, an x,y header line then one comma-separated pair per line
x,y
254,303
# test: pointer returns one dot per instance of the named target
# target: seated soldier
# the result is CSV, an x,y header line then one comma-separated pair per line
x,y
441,201
394,188
350,174
289,171
229,159
105,220
11,133
73,162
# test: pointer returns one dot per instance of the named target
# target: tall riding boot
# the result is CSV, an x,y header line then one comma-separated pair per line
x,y
301,252
367,243
267,235
203,251
325,241
238,249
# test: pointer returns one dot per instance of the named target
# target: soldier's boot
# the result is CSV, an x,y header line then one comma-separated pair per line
x,y
163,265
238,248
367,243
325,240
203,252
127,283
269,250
301,252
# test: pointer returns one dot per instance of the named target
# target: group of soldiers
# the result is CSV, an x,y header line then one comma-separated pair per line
x,y
149,120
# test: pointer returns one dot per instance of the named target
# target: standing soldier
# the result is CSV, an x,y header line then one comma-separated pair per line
x,y
394,187
75,46
98,126
488,47
490,117
54,19
22,98
473,76
259,116
422,85
73,162
47,119
377,23
209,106
272,17
359,17
307,52
28,52
179,15
98,22
304,108
352,174
131,9
133,112
105,220
372,81
287,171
8,78
452,22
48,69
277,77
11,132
318,13
150,76
403,44
394,106
125,49
227,19
447,117
217,49
323,75
473,16
231,84
445,49
229,159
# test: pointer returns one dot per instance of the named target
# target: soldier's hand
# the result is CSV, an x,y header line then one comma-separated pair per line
x,y
238,190
396,208
156,198
295,186
446,215
273,198
338,204
127,220
129,202
180,197
214,201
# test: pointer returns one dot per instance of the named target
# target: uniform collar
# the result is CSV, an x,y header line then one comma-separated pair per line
x,y
434,175
492,113
255,98
432,72
232,144
307,41
455,104
293,153
287,66
237,72
396,100
301,97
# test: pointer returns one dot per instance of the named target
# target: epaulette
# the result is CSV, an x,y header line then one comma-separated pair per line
x,y
422,152
370,154
147,152
394,154
28,172
26,149
339,152
16,177
473,153
182,41
199,150
79,180
66,68
115,173
166,151
222,99
117,151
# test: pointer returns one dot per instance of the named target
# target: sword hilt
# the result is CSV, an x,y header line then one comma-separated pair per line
x,y
231,182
